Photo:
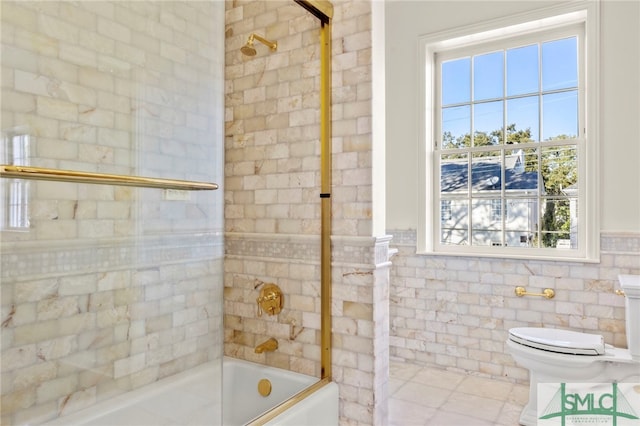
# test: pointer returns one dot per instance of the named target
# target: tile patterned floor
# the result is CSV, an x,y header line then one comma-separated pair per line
x,y
421,396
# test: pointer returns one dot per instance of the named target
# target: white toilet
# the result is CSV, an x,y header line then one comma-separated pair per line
x,y
563,356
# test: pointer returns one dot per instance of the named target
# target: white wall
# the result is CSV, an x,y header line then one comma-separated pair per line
x,y
620,147
620,126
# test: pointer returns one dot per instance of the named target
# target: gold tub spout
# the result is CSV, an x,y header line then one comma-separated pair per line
x,y
267,346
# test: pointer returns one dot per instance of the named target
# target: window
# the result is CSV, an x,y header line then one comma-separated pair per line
x,y
14,214
510,138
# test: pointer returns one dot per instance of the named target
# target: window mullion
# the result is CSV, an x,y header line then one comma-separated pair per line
x,y
504,143
540,124
469,152
470,198
539,151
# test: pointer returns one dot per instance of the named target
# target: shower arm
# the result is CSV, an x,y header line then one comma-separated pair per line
x,y
41,173
273,45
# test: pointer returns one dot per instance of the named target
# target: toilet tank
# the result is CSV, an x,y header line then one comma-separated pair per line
x,y
630,284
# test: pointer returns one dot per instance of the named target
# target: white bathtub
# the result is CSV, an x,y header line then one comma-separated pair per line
x,y
242,402
185,398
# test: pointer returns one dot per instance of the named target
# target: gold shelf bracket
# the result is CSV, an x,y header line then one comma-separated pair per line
x,y
41,173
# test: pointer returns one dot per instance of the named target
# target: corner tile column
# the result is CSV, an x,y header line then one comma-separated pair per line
x,y
361,328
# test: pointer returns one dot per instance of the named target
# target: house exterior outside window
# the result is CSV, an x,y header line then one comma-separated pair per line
x,y
510,139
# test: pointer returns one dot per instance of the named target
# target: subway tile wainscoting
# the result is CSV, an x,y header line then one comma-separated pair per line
x,y
360,311
455,313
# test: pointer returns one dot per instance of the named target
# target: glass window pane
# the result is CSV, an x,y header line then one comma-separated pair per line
x,y
488,76
486,214
523,120
558,229
489,238
521,222
487,120
560,64
560,170
456,127
486,171
522,215
454,230
560,115
445,211
521,171
519,239
486,230
454,171
522,70
456,81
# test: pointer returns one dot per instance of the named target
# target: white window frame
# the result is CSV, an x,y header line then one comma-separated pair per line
x,y
548,19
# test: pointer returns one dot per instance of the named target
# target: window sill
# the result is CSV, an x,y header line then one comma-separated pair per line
x,y
529,255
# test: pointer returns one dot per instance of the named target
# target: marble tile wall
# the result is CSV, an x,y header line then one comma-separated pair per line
x,y
126,88
272,120
360,317
456,312
107,288
77,333
272,205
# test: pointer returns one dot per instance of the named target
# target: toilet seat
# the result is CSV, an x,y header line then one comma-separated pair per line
x,y
558,340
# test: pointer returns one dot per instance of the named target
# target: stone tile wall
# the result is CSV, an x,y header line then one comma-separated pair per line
x,y
108,288
82,323
272,120
360,317
456,312
272,204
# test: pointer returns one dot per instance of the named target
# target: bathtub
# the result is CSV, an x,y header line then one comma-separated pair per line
x,y
242,402
185,398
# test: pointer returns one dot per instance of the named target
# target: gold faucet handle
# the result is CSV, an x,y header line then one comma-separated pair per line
x,y
620,292
259,301
270,300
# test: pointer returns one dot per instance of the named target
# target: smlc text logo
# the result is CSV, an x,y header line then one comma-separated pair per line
x,y
615,404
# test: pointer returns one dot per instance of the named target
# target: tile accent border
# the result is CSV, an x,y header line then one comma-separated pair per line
x,y
31,260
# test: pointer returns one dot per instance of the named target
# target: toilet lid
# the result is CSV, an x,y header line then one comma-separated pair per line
x,y
557,340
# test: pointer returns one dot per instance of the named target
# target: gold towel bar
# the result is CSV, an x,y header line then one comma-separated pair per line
x,y
547,292
40,173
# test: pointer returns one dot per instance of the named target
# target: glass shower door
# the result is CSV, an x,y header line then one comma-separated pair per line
x,y
111,293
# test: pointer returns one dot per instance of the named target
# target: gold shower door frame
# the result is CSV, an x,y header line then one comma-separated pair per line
x,y
323,10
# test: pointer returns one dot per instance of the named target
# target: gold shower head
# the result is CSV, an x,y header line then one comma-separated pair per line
x,y
248,48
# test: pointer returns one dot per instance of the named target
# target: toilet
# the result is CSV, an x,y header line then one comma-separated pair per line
x,y
564,356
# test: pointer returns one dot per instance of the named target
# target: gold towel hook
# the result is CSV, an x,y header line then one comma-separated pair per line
x,y
547,292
